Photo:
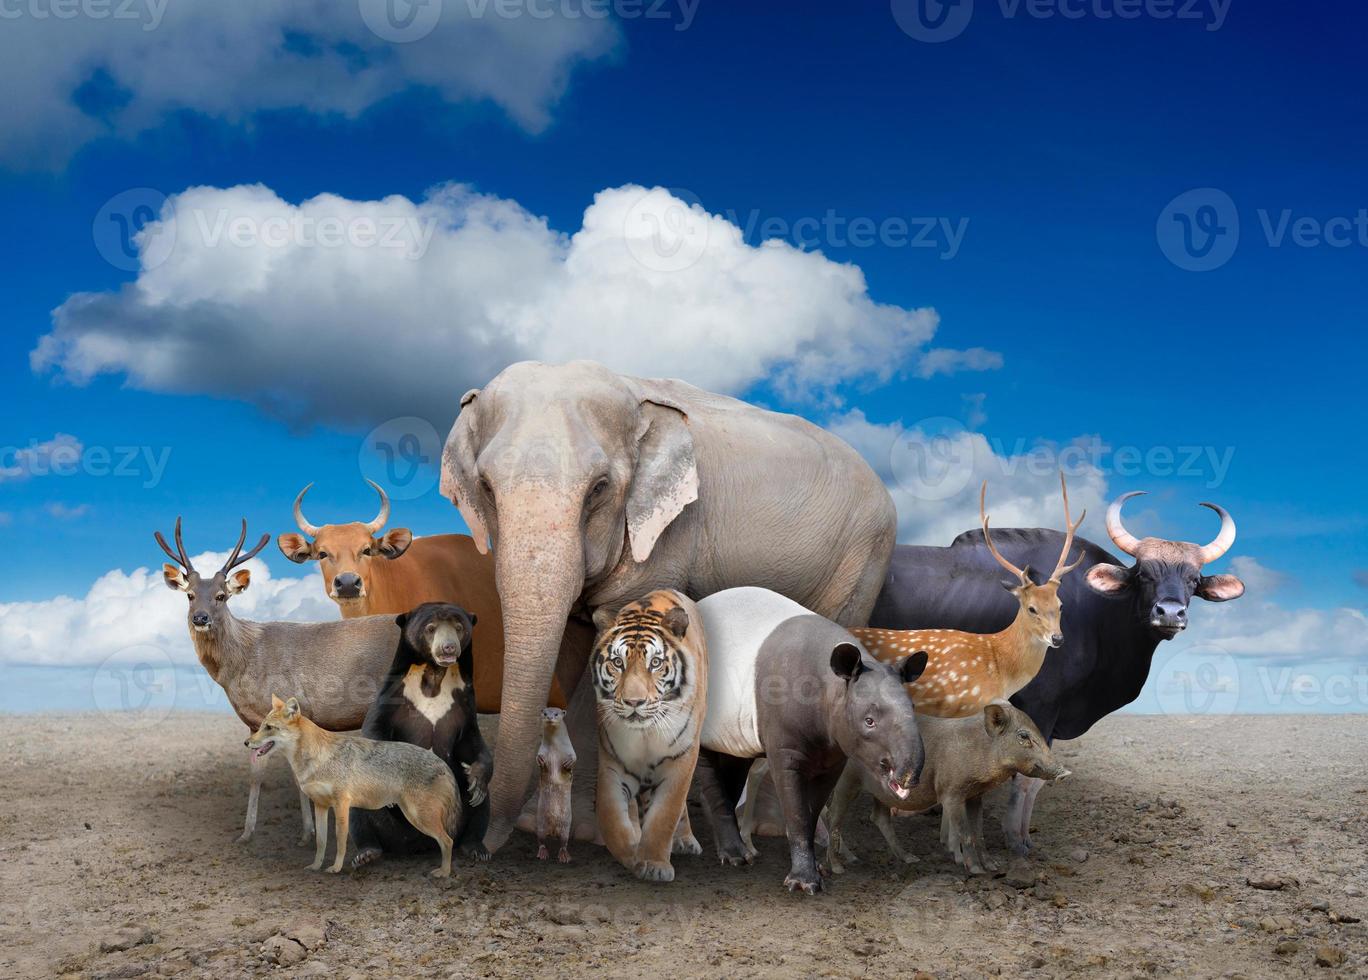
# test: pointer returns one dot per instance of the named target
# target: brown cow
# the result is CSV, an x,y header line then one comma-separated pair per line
x,y
366,575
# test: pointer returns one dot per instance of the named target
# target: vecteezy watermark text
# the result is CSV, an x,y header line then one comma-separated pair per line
x,y
71,458
934,21
148,12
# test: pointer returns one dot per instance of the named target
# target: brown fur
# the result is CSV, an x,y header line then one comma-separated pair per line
x,y
647,761
339,771
556,765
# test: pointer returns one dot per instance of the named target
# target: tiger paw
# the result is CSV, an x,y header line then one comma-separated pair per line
x,y
688,844
654,871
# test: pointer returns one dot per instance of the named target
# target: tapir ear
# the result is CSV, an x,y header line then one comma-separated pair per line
x,y
912,667
846,661
174,577
1108,580
677,621
996,719
295,547
1220,588
666,477
292,708
395,542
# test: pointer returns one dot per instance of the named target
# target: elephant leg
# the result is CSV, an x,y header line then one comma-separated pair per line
x,y
720,780
581,722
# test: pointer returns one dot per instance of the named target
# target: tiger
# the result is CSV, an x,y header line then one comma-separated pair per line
x,y
650,673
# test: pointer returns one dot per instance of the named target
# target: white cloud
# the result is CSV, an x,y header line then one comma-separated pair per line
x,y
66,512
303,310
1267,630
943,360
1259,579
59,453
121,68
136,609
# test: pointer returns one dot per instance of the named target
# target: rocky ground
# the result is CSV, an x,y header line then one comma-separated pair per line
x,y
1181,847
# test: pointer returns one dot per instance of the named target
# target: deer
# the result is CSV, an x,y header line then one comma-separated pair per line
x,y
336,667
968,671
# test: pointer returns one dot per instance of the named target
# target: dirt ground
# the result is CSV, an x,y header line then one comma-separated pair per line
x,y
118,859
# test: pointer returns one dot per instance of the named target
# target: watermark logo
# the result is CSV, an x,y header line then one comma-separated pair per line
x,y
666,230
135,687
135,229
402,455
1201,680
933,21
934,460
1199,230
148,12
401,21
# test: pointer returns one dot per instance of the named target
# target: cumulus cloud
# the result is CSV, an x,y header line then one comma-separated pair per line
x,y
355,311
944,360
76,72
125,610
59,453
1258,578
1267,630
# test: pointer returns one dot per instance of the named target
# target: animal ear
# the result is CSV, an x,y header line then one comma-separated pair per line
x,y
292,708
912,666
1219,588
677,621
459,481
996,719
238,581
846,661
174,577
603,618
401,620
473,619
295,547
1108,580
276,703
666,476
395,542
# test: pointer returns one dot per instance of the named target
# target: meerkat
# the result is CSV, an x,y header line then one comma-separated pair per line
x,y
556,762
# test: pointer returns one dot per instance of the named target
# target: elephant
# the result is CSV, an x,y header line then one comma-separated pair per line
x,y
594,488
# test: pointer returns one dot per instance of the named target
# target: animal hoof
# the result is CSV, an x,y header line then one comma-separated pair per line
x,y
244,837
686,845
335,869
808,885
305,840
365,856
542,852
314,867
564,856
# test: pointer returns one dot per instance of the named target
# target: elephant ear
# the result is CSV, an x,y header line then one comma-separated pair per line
x,y
666,477
458,471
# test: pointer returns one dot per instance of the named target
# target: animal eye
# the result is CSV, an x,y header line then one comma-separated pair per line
x,y
366,551
1032,611
656,662
1024,736
869,721
431,628
617,662
484,485
322,554
190,596
220,597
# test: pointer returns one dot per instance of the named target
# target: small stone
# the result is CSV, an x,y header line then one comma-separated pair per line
x,y
1286,947
127,936
1078,855
1272,882
1329,956
994,900
1020,874
1354,891
283,951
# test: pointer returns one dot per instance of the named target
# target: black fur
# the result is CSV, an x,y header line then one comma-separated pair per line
x,y
455,737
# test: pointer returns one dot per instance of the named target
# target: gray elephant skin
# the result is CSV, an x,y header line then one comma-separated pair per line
x,y
595,488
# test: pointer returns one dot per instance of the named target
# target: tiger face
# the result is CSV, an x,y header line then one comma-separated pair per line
x,y
641,671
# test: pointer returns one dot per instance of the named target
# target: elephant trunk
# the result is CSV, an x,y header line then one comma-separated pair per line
x,y
540,575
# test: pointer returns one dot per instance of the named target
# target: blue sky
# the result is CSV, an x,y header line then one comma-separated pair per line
x,y
1051,146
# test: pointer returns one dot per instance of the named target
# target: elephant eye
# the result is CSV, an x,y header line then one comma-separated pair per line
x,y
598,488
484,485
869,721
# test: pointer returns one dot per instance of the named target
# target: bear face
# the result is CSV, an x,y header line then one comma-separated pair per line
x,y
438,634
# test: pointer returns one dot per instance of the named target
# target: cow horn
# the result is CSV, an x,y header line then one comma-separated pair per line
x,y
303,524
1122,538
1224,540
374,526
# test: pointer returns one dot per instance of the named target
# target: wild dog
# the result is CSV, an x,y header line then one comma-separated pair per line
x,y
338,771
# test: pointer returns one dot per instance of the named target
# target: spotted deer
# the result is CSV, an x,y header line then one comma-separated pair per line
x,y
967,671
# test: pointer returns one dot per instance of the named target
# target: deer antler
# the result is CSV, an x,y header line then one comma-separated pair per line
x,y
234,560
988,538
1060,568
180,558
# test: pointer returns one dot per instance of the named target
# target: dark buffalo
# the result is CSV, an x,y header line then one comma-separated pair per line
x,y
1114,618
